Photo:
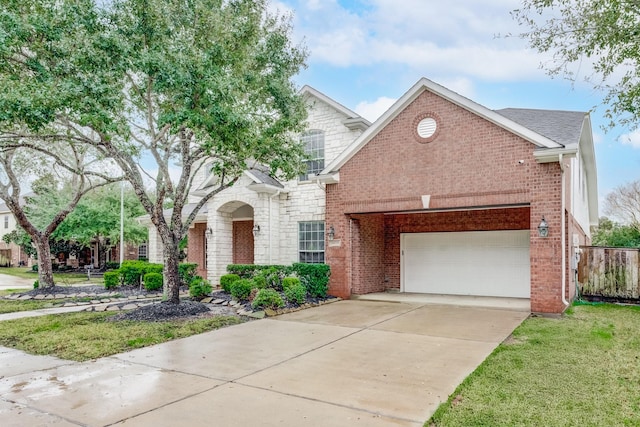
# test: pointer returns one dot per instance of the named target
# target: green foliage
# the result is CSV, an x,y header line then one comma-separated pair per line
x,y
241,289
227,280
112,265
34,267
153,281
187,272
199,288
260,282
247,271
271,276
315,277
294,291
36,284
612,234
131,272
111,279
267,298
605,32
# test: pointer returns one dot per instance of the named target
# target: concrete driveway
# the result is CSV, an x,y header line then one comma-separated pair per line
x,y
348,363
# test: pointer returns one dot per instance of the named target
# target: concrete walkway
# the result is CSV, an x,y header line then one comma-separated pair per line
x,y
367,363
12,282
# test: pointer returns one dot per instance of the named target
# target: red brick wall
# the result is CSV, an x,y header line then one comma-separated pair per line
x,y
368,254
471,163
196,252
243,242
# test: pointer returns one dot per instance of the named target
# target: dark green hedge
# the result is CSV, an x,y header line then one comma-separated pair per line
x,y
314,277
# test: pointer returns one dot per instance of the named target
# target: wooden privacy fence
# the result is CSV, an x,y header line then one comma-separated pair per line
x,y
609,273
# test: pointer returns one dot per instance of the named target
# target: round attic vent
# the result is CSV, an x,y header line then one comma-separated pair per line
x,y
427,127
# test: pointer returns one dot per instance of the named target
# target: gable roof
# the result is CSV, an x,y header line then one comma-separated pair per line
x,y
421,86
353,120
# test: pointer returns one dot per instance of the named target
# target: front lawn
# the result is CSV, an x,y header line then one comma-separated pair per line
x,y
580,370
88,335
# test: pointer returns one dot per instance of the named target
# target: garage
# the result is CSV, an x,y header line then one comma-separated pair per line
x,y
481,263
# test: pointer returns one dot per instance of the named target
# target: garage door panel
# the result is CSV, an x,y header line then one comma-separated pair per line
x,y
488,263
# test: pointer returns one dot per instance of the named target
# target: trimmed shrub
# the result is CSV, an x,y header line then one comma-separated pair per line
x,y
188,272
247,271
148,267
296,293
241,289
111,279
267,298
112,265
227,280
272,276
260,282
36,284
131,271
315,277
199,288
290,281
153,281
34,267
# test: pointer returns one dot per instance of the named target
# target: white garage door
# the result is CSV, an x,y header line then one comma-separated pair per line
x,y
485,263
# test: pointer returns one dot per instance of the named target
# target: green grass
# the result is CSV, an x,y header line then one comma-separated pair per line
x,y
580,370
11,306
88,335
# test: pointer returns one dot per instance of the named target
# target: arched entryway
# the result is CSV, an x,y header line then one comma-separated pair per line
x,y
242,232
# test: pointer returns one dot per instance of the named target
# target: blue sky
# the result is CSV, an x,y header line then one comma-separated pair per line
x,y
366,53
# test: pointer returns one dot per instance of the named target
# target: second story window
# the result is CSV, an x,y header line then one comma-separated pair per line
x,y
6,221
314,147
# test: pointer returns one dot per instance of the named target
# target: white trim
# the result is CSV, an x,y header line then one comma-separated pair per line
x,y
307,91
425,84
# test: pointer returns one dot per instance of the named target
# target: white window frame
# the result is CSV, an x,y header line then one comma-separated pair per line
x,y
144,245
314,148
311,248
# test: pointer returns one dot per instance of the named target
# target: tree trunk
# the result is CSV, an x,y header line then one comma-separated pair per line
x,y
45,271
171,274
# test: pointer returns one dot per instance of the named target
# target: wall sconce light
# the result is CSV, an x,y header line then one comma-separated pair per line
x,y
256,230
543,228
208,232
332,233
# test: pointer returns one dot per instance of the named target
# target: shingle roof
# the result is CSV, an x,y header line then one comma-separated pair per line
x,y
264,178
563,127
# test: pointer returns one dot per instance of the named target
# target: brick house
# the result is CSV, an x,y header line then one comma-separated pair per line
x,y
440,195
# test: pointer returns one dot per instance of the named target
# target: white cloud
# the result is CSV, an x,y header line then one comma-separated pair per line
x,y
372,110
632,138
436,39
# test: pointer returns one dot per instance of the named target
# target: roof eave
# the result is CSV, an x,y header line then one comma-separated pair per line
x,y
267,188
330,178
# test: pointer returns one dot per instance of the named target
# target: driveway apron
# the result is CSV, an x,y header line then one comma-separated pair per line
x,y
348,363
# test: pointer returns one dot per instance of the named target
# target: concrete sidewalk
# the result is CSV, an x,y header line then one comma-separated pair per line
x,y
12,282
343,364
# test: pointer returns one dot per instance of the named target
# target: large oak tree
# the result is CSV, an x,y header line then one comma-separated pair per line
x,y
162,87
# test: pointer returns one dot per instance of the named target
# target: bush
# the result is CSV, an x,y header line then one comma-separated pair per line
x,y
148,267
290,281
267,298
315,277
34,267
247,271
227,280
112,265
111,279
36,284
296,292
131,272
199,288
272,276
187,272
153,281
241,289
260,282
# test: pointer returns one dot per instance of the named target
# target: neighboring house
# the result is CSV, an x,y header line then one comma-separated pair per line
x,y
14,254
440,195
